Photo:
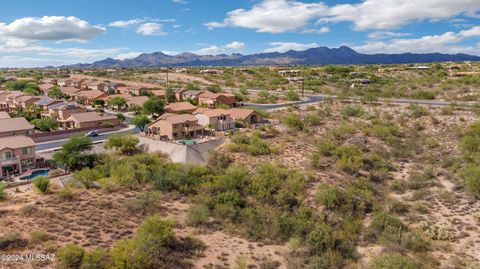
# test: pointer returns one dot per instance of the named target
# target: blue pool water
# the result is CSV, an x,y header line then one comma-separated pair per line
x,y
36,173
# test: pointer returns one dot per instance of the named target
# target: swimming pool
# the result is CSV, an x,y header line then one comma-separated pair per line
x,y
36,173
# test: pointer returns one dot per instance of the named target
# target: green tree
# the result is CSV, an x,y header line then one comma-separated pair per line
x,y
73,154
394,261
118,102
55,92
127,144
141,121
137,109
97,258
45,124
99,102
170,95
154,106
3,195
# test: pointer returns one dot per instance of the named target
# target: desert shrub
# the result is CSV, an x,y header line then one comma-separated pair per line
x,y
343,131
394,261
12,240
315,160
471,177
312,119
70,257
126,254
352,111
321,239
3,195
417,111
421,179
325,147
293,121
426,95
42,184
39,236
327,260
218,161
197,215
88,175
387,226
146,203
65,195
97,258
349,158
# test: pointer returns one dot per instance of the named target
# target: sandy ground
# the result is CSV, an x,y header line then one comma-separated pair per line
x,y
177,77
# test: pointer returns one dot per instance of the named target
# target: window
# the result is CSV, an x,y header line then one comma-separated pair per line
x,y
8,155
27,163
26,151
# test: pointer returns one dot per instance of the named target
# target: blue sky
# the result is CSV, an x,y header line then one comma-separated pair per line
x,y
52,32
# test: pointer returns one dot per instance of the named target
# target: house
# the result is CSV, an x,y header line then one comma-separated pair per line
x,y
88,97
6,99
46,101
182,107
97,86
131,100
50,81
89,120
17,155
69,91
45,88
65,82
191,95
173,127
113,87
247,116
25,101
15,126
139,90
217,119
61,111
4,115
211,99
179,94
211,71
159,93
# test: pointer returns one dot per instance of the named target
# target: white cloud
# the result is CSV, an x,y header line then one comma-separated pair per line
x,y
236,45
285,46
26,62
278,16
391,14
123,24
385,34
211,50
127,55
444,43
150,28
183,2
51,28
322,30
273,16
214,49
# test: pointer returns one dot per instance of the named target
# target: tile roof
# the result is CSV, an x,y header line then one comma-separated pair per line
x,y
69,90
14,124
4,115
45,87
182,106
92,94
15,142
215,112
91,116
64,105
238,113
175,119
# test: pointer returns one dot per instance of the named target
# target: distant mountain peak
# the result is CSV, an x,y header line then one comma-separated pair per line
x,y
312,56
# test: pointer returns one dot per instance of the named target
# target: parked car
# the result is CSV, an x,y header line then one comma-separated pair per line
x,y
92,134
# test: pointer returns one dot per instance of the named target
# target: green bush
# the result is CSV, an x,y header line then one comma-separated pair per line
x,y
394,261
70,257
293,121
321,239
12,240
42,184
97,258
471,177
3,195
197,215
352,111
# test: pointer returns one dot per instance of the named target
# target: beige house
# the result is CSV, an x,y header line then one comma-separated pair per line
x,y
17,155
62,111
69,91
247,116
211,100
182,107
89,120
4,115
65,82
24,101
174,127
15,126
88,97
45,88
217,119
46,101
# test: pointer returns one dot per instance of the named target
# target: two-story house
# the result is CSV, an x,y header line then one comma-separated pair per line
x,y
211,100
17,155
174,127
62,111
15,126
217,119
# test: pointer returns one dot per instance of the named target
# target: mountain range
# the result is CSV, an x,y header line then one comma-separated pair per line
x,y
313,56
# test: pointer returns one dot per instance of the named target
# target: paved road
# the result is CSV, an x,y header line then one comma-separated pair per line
x,y
316,98
44,146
